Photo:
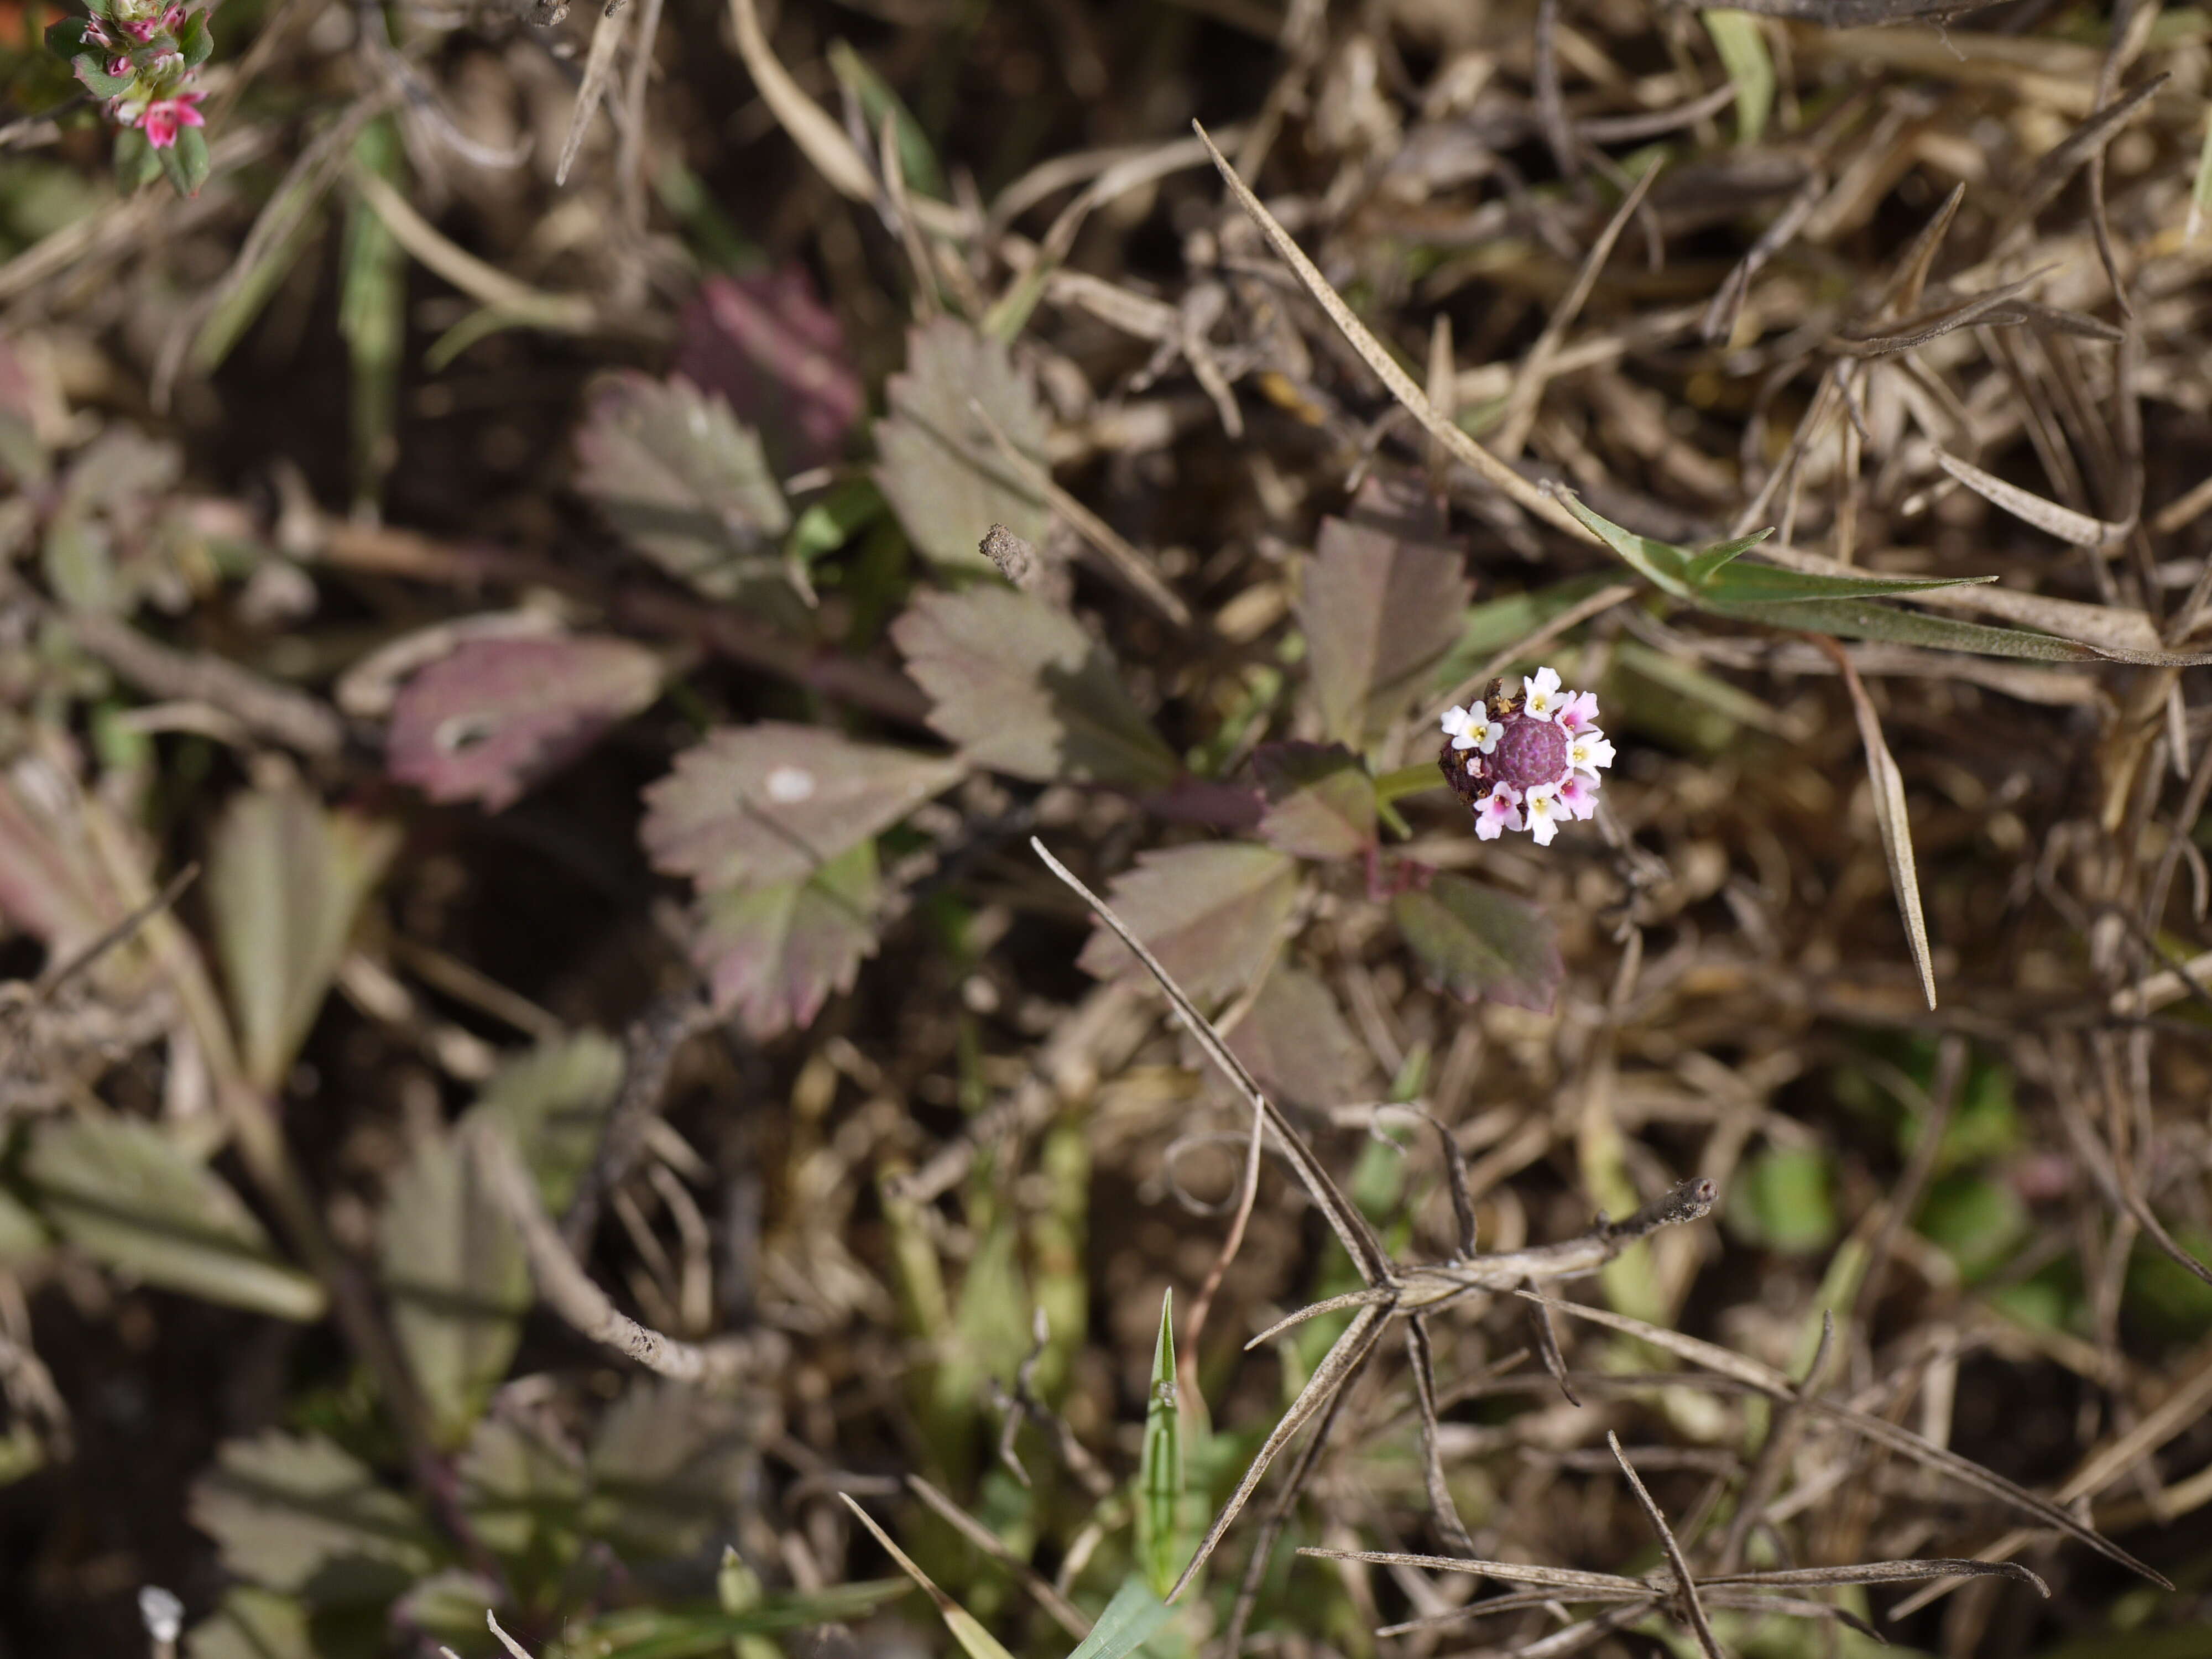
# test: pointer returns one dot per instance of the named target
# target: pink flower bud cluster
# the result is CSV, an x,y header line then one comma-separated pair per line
x,y
1525,763
160,100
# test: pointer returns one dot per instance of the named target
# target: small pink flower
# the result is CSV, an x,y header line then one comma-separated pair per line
x,y
96,35
1500,810
165,116
1581,710
1578,795
168,23
118,69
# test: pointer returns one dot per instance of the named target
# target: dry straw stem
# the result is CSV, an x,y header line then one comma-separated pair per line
x,y
1462,448
1064,1612
599,68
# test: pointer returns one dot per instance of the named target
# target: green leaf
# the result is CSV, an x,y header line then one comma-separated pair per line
x,y
1979,1220
1743,53
1662,564
775,953
941,470
285,881
373,318
1025,690
2173,1303
453,1267
682,481
754,805
121,1191
1380,609
974,1641
91,68
253,1624
297,1514
1783,1200
1129,1621
917,159
522,1487
196,39
553,1102
1478,942
1701,567
1212,912
1162,1548
673,1633
1768,583
137,163
66,37
192,160
1487,628
1861,619
668,1467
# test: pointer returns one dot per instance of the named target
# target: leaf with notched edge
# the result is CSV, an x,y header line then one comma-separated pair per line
x,y
684,484
291,1511
1379,609
941,470
1211,913
768,345
1479,942
1024,689
494,716
775,953
1321,802
756,805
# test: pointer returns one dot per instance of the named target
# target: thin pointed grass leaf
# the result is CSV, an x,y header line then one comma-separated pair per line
x,y
1902,292
2046,515
1864,619
1506,1573
1064,1612
1336,1367
1768,583
1548,1349
1366,1298
974,1641
1518,1602
1933,325
1662,564
1129,1622
2065,158
1789,1607
1881,1572
1890,816
1160,1470
1685,1586
1423,1354
1708,1356
1702,566
1350,1226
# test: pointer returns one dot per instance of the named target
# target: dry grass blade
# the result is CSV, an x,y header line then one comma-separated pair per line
x,y
1518,1602
1685,1588
1508,1572
2046,515
515,1648
1708,1356
1423,1354
1462,448
598,70
1790,1607
1350,1226
1367,1298
1890,816
1064,1612
1909,279
1882,1573
2057,168
1547,1348
1934,326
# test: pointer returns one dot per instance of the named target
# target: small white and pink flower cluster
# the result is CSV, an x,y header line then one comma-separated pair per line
x,y
159,98
1525,763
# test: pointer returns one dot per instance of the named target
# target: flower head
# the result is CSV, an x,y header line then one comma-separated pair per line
x,y
1528,762
165,116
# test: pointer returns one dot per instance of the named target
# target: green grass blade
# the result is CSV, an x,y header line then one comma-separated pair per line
x,y
1161,1546
1129,1619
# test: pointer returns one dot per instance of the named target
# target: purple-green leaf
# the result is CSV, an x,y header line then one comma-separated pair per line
x,y
1478,942
1212,912
1298,1042
1024,689
491,718
1321,802
756,805
941,470
769,346
682,481
774,954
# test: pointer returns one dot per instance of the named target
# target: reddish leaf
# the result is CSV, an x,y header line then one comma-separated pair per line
x,y
941,470
683,483
775,953
1211,912
775,353
1298,1044
497,715
757,804
1379,608
1024,689
1478,942
1321,802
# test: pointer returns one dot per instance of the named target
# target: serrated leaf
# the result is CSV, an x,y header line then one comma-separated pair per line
x,y
1478,942
1379,611
453,1270
552,1103
253,1624
296,1514
1024,689
774,954
668,1468
121,1191
1321,801
769,346
1211,913
753,806
682,481
1129,1622
1768,583
941,470
1298,1042
522,1490
285,880
496,715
